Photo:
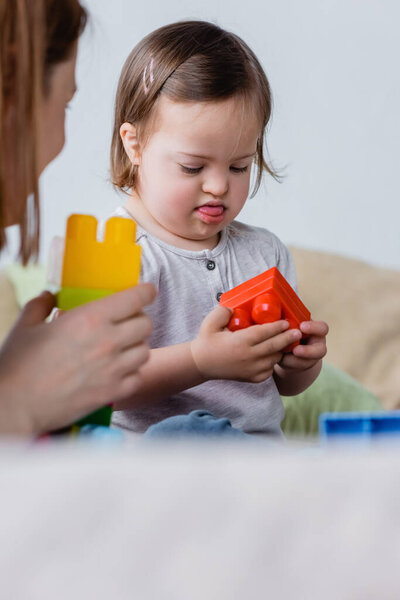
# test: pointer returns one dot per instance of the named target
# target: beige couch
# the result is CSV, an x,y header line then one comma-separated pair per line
x,y
360,302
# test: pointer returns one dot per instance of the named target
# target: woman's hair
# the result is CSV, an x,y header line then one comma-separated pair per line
x,y
192,61
35,35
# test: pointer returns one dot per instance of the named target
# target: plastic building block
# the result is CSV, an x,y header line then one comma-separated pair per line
x,y
264,299
101,434
360,425
93,269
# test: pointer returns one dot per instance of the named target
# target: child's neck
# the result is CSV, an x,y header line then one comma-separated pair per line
x,y
143,218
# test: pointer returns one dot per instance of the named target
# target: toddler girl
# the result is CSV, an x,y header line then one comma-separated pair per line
x,y
192,107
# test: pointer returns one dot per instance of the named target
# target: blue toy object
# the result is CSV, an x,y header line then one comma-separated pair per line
x,y
101,433
361,425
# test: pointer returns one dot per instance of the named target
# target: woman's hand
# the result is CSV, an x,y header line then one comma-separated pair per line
x,y
245,355
52,374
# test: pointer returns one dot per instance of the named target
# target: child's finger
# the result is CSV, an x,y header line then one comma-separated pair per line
x,y
256,334
310,351
268,362
290,361
278,342
217,319
319,328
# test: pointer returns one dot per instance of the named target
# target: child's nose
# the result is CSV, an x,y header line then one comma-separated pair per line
x,y
216,185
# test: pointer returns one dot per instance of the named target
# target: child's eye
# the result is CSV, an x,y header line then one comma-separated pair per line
x,y
190,170
239,169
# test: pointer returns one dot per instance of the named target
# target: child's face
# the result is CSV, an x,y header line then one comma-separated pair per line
x,y
194,171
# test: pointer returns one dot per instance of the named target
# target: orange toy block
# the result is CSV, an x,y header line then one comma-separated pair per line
x,y
264,299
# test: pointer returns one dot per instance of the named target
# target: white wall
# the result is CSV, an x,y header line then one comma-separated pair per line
x,y
334,71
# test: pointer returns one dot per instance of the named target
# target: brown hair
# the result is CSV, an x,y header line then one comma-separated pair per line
x,y
187,61
35,35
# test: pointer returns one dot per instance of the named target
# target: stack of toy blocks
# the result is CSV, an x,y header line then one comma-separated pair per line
x,y
93,269
264,299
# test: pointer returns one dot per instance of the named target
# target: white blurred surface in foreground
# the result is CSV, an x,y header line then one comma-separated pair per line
x,y
199,522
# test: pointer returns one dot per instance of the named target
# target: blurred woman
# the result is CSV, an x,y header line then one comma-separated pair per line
x,y
51,374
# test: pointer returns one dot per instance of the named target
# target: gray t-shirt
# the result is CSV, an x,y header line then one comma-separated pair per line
x,y
189,284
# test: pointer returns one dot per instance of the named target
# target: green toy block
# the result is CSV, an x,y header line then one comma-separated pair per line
x,y
98,417
68,298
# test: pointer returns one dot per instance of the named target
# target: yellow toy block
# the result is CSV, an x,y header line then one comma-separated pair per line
x,y
113,264
93,269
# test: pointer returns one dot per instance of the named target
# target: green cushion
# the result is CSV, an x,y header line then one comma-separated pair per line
x,y
333,391
28,281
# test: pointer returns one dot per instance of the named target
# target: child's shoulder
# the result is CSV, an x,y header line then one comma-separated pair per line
x,y
262,244
251,234
121,211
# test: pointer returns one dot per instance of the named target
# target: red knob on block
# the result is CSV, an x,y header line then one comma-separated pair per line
x,y
239,320
266,309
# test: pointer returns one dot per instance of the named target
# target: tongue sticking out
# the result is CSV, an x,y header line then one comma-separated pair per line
x,y
212,211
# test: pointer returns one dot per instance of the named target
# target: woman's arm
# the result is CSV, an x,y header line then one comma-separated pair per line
x,y
52,374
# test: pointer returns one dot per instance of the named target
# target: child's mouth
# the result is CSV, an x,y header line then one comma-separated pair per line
x,y
211,213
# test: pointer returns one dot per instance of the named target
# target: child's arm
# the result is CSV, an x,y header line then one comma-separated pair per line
x,y
298,369
168,371
217,353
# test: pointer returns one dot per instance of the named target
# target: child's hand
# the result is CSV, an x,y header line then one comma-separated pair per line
x,y
305,356
245,355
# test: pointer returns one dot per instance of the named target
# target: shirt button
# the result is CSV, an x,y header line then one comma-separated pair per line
x,y
210,265
218,296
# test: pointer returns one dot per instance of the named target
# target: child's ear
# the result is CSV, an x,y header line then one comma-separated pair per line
x,y
127,131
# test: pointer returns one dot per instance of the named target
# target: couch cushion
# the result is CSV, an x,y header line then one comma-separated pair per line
x,y
361,304
332,391
28,281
